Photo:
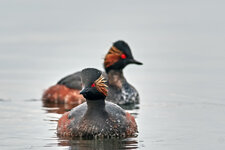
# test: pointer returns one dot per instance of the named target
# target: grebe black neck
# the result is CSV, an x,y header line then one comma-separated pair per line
x,y
96,104
95,108
116,78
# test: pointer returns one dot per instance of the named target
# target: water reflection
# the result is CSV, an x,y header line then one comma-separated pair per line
x,y
130,106
58,108
101,144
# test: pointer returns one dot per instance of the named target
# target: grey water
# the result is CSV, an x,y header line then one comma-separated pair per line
x,y
181,84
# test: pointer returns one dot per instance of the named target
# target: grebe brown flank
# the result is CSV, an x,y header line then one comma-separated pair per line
x,y
96,117
120,91
67,90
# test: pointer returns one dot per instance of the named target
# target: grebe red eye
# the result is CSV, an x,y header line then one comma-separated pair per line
x,y
93,85
123,56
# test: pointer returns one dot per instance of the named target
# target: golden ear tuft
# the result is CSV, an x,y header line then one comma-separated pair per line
x,y
101,85
112,56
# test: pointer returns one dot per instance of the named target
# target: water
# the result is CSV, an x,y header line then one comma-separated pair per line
x,y
181,83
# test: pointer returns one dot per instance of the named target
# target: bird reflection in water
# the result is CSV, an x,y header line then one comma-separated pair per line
x,y
101,144
58,108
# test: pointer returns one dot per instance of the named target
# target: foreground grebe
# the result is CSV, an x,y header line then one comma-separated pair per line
x,y
120,91
96,117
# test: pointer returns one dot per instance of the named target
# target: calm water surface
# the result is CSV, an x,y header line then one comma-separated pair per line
x,y
181,83
32,125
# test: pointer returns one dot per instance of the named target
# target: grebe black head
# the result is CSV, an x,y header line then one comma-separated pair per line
x,y
119,56
95,87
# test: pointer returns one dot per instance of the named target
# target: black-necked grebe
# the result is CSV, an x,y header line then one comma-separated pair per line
x,y
120,91
96,117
